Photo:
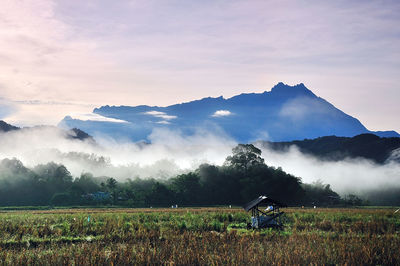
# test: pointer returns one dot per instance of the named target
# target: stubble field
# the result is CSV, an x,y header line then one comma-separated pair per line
x,y
198,236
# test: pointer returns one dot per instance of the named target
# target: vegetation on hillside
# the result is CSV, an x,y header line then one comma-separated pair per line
x,y
243,176
367,146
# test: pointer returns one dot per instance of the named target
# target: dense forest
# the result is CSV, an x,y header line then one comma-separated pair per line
x,y
242,177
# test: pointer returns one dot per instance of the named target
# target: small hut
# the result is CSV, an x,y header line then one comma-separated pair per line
x,y
269,217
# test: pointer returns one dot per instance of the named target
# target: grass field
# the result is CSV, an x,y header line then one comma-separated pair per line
x,y
197,236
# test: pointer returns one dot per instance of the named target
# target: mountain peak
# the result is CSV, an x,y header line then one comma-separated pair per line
x,y
287,90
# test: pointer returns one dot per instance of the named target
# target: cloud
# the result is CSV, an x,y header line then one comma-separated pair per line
x,y
358,176
170,152
163,122
300,108
70,51
220,113
45,64
96,117
39,102
6,108
39,113
394,156
161,115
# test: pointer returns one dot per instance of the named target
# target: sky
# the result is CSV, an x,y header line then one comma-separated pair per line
x,y
63,57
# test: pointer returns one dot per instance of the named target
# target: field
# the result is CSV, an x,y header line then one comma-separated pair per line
x,y
197,236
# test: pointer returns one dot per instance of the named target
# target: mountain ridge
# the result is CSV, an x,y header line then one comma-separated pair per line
x,y
284,113
381,150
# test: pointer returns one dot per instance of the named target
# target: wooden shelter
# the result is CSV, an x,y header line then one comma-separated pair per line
x,y
269,217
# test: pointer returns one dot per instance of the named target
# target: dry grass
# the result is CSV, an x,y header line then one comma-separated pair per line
x,y
197,236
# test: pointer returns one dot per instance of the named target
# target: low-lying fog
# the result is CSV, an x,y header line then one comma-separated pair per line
x,y
170,153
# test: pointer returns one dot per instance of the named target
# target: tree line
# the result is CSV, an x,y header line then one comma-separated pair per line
x,y
243,177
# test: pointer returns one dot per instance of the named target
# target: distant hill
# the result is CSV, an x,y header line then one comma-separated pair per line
x,y
5,127
334,148
283,114
73,133
79,134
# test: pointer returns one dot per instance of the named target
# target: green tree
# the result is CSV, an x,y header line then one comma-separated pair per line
x,y
320,194
63,199
111,184
187,188
160,195
244,156
86,183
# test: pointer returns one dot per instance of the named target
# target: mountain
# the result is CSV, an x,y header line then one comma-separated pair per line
x,y
368,146
73,133
283,114
5,127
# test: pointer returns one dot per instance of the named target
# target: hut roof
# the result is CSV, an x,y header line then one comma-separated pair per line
x,y
262,199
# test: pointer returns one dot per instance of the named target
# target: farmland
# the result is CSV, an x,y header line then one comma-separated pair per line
x,y
197,236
